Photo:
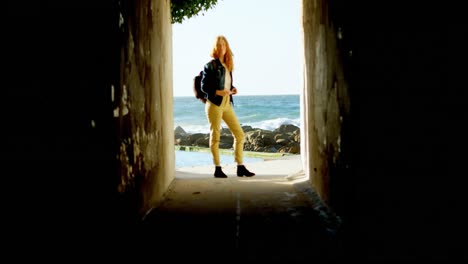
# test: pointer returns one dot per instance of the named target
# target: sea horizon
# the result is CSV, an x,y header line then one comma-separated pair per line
x,y
266,112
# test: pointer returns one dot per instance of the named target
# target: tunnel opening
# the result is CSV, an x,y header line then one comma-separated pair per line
x,y
190,56
266,217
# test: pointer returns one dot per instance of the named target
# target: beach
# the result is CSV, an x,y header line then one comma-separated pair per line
x,y
271,165
252,111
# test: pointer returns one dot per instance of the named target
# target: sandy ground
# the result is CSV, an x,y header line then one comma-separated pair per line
x,y
286,166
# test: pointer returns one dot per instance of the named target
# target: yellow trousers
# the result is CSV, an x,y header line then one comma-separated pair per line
x,y
224,112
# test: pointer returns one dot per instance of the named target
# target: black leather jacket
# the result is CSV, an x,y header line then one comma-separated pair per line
x,y
213,79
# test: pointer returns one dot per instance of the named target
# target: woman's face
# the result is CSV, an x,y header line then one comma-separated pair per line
x,y
221,47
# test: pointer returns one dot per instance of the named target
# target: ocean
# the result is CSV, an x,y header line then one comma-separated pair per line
x,y
259,111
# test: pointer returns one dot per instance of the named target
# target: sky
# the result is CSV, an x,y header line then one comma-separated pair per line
x,y
265,37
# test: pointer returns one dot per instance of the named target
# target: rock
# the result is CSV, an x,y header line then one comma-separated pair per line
x,y
284,139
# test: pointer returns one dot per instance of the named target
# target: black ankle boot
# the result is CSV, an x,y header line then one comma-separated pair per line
x,y
242,171
219,173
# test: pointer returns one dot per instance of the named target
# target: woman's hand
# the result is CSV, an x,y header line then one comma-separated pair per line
x,y
234,90
223,92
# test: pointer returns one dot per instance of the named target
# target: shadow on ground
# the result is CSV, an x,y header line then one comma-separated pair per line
x,y
265,218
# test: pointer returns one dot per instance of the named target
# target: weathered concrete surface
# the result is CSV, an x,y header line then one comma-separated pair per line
x,y
325,100
146,138
263,218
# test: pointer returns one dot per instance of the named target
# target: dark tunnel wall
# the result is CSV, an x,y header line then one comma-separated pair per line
x,y
405,200
60,61
76,169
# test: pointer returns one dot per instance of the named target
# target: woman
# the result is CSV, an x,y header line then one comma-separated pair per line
x,y
217,85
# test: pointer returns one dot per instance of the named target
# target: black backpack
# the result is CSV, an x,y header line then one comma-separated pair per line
x,y
197,88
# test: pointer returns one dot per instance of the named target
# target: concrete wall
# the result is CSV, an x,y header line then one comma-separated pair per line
x,y
146,152
325,100
88,123
400,197
381,120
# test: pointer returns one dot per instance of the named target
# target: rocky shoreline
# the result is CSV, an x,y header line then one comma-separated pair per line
x,y
284,139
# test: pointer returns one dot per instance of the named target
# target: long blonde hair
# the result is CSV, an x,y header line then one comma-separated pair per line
x,y
227,56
